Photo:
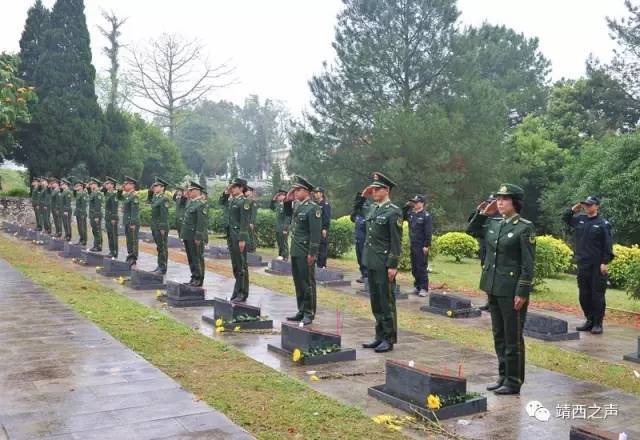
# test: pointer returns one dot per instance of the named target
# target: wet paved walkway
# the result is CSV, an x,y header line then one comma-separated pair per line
x,y
61,377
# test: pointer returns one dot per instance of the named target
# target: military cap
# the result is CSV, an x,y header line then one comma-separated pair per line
x,y
95,180
301,182
591,200
195,185
281,191
419,198
382,181
79,182
53,179
511,190
128,179
160,181
319,189
65,181
110,179
237,181
249,188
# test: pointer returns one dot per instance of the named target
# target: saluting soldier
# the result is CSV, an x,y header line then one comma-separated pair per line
x,y
420,230
160,221
194,233
56,206
65,208
238,210
282,224
130,217
180,200
323,251
381,254
250,196
95,213
305,241
82,202
35,202
360,206
507,277
45,204
111,203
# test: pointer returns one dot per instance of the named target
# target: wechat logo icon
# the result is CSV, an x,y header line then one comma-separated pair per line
x,y
539,412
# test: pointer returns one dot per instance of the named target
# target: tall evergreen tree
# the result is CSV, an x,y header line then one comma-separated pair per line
x,y
68,114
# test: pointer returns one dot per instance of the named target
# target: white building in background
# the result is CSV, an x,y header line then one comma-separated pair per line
x,y
281,156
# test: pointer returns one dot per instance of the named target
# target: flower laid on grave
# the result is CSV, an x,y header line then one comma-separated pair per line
x,y
158,293
219,329
296,355
314,378
433,402
219,322
236,328
449,313
318,351
393,422
246,318
120,280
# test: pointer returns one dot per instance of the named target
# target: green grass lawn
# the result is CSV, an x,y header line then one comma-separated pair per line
x,y
12,179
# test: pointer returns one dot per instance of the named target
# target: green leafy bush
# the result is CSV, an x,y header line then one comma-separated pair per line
x,y
216,220
405,256
340,237
621,268
145,215
632,285
266,228
17,192
553,257
458,245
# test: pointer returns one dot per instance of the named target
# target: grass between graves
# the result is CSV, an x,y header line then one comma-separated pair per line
x,y
267,403
11,179
545,355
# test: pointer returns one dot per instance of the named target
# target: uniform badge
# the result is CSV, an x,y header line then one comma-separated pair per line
x,y
376,177
318,213
510,234
503,189
399,221
246,206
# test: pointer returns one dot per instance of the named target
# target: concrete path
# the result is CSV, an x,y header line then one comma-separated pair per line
x,y
61,377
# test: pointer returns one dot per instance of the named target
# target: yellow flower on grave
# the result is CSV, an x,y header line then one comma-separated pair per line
x,y
433,402
314,378
158,293
219,329
449,313
236,328
219,322
297,355
98,267
120,280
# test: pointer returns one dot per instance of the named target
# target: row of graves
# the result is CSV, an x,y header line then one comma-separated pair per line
x,y
435,395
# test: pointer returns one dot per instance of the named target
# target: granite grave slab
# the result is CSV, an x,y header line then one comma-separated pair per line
x,y
450,305
71,250
144,280
114,268
90,258
183,295
396,290
235,314
588,432
634,357
548,328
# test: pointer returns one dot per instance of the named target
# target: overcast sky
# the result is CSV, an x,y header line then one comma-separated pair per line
x,y
277,45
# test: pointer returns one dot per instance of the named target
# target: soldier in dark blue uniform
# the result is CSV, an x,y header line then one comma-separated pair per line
x,y
420,230
321,199
593,248
360,232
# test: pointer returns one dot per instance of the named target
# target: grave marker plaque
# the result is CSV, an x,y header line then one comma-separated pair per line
x,y
91,258
279,267
182,295
548,328
634,357
450,305
55,244
143,280
235,315
305,339
396,290
114,268
71,250
588,432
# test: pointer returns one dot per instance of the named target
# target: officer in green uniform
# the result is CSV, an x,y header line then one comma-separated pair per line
x,y
56,206
180,200
111,214
160,221
238,210
282,224
82,202
95,213
194,233
65,207
305,240
507,277
35,202
130,217
381,254
250,196
45,204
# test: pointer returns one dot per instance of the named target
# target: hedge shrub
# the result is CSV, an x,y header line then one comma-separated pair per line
x,y
458,245
632,285
341,238
266,228
553,257
145,215
621,268
16,192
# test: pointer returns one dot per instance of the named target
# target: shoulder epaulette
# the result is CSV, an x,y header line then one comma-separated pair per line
x,y
525,221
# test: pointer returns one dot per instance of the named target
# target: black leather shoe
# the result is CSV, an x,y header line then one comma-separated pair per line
x,y
506,391
360,280
307,321
93,249
484,308
295,318
372,344
383,347
98,249
587,326
494,386
597,328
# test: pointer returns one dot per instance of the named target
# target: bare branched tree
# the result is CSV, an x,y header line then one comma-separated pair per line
x,y
171,74
112,33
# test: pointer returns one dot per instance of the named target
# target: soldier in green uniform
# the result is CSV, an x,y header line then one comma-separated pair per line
x,y
381,254
82,202
111,214
65,207
56,206
305,240
45,204
160,221
130,217
95,213
194,233
237,220
250,196
180,200
282,224
35,202
507,277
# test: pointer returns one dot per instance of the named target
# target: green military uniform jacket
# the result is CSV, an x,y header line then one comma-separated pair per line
x,y
46,199
110,205
130,208
181,203
224,201
383,244
509,264
159,211
282,219
65,200
238,218
95,204
82,202
195,222
56,200
305,229
35,196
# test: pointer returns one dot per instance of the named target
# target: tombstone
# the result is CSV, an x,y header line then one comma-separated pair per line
x,y
217,252
21,231
5,226
634,357
120,229
90,258
183,295
145,236
55,244
71,250
234,314
174,242
143,280
306,339
32,235
548,328
588,432
114,268
331,278
449,305
396,290
279,267
43,238
407,388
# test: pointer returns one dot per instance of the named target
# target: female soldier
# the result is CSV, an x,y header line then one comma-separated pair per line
x,y
507,278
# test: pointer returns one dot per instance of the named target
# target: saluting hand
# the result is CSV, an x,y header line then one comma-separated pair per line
x,y
290,195
576,208
490,209
367,191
